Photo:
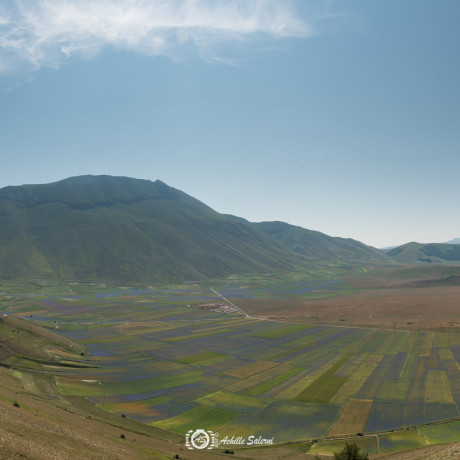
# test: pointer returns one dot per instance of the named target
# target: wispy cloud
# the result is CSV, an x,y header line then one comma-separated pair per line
x,y
43,33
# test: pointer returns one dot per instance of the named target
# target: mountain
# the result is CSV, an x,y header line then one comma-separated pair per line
x,y
103,227
118,228
454,241
438,253
317,245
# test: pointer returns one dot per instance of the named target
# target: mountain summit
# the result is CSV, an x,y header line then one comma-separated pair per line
x,y
118,228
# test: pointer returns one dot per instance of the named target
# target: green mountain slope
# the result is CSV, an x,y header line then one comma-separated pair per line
x,y
313,244
426,253
117,228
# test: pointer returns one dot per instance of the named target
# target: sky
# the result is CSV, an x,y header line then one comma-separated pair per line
x,y
337,116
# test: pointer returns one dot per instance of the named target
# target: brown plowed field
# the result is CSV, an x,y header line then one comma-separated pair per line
x,y
424,308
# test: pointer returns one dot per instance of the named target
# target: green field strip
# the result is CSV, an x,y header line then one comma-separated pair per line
x,y
357,379
140,330
79,388
441,433
421,336
400,440
230,363
207,386
392,389
212,327
434,361
355,344
425,348
418,382
446,354
324,388
374,382
202,357
248,370
283,331
198,336
269,384
409,368
453,340
442,340
297,387
284,353
367,444
409,342
387,343
233,401
143,407
257,379
438,388
313,357
285,421
111,339
307,338
397,343
352,365
206,418
375,343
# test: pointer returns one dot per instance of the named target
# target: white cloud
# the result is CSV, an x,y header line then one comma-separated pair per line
x,y
43,33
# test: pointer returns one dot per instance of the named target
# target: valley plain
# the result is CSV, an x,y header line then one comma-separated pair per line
x,y
317,360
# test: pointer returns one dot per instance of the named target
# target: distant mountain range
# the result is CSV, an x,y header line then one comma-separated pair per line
x,y
435,253
121,229
118,228
454,241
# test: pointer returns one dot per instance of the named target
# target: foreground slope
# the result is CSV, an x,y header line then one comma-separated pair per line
x,y
117,228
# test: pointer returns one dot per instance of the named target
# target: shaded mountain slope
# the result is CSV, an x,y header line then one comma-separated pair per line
x,y
117,228
426,253
313,244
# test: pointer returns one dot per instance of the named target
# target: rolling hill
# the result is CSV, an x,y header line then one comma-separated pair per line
x,y
436,253
118,228
317,245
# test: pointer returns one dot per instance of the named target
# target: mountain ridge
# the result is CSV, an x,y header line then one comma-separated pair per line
x,y
436,253
119,228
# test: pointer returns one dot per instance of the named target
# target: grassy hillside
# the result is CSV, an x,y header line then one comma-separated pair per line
x,y
312,244
438,253
117,228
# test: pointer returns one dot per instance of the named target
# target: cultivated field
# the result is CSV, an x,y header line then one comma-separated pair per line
x,y
162,357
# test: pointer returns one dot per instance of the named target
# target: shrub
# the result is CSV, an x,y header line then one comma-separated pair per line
x,y
351,452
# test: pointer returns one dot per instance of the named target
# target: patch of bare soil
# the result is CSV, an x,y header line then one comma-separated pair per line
x,y
423,308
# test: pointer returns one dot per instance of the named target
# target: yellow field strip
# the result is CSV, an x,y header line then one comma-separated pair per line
x,y
355,381
299,386
438,388
425,349
353,418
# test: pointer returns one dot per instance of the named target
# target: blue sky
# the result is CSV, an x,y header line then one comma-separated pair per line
x,y
338,116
